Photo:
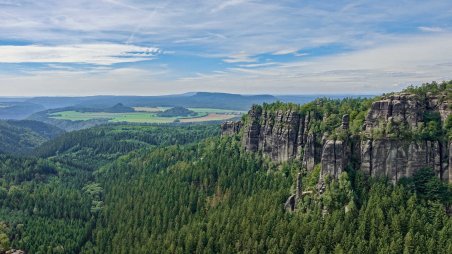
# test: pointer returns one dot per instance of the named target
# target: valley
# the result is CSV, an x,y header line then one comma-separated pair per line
x,y
149,115
288,178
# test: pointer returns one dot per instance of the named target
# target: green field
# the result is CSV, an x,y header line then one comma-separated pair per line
x,y
143,116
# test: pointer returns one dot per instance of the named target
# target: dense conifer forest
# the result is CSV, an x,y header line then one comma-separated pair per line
x,y
186,189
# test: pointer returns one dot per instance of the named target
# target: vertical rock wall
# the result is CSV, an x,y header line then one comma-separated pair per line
x,y
283,135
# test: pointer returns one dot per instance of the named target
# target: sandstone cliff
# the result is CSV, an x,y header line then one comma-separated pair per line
x,y
380,148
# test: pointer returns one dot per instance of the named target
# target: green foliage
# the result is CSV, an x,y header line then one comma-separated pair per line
x,y
432,129
212,197
326,114
4,240
91,148
448,126
312,177
432,88
428,186
21,137
176,112
51,205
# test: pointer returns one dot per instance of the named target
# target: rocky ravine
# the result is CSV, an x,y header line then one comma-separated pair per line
x,y
285,135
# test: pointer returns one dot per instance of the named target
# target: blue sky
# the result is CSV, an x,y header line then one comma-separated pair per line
x,y
280,47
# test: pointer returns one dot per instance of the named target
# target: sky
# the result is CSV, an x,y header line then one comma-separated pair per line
x,y
134,47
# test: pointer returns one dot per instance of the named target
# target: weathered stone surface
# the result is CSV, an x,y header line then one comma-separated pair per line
x,y
439,103
311,152
230,128
298,187
275,134
285,135
252,131
400,158
289,205
450,162
345,122
335,157
14,251
399,108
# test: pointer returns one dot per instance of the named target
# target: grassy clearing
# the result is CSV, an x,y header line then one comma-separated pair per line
x,y
209,117
198,110
146,116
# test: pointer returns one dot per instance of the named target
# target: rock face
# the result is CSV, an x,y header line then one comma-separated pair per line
x,y
230,128
281,135
399,108
335,157
400,158
289,205
450,161
284,135
397,158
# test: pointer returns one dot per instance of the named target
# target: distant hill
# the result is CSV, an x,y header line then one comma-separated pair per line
x,y
118,108
18,109
21,137
22,108
188,100
176,111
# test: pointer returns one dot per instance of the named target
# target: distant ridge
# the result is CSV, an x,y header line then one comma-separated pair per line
x,y
24,108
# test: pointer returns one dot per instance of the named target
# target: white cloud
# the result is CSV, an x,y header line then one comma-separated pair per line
x,y
102,54
376,55
431,29
285,51
413,59
227,3
241,57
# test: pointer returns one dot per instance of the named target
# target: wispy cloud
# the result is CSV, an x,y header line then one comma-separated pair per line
x,y
102,54
241,57
235,45
431,29
285,51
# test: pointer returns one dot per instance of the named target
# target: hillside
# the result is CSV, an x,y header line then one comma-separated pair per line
x,y
192,100
17,110
117,108
94,147
21,137
184,189
176,111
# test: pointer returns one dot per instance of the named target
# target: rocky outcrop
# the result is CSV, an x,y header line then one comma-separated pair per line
x,y
399,108
335,157
230,128
401,158
275,134
283,135
289,205
252,130
450,161
14,251
439,103
345,122
312,152
395,158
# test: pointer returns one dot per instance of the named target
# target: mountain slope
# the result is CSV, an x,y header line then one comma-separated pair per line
x,y
191,100
21,137
213,197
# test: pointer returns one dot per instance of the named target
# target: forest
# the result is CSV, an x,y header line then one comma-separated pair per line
x,y
125,188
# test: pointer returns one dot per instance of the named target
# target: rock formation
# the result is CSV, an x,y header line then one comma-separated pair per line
x,y
230,128
284,135
281,135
